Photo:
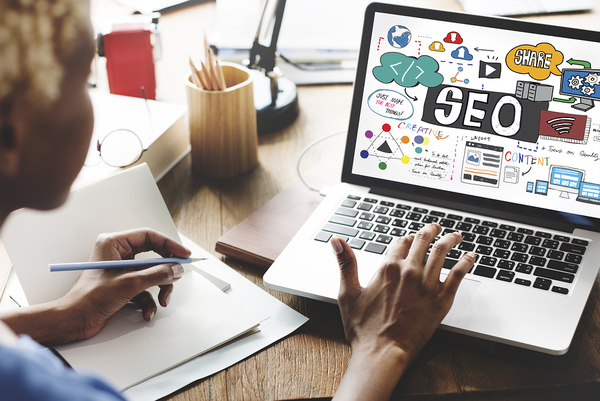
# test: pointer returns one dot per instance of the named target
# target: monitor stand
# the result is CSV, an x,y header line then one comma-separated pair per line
x,y
564,195
584,104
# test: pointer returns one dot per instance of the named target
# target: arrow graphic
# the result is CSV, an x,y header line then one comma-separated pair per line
x,y
571,100
585,64
526,171
414,99
483,50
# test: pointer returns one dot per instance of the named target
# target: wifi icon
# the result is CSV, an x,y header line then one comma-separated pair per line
x,y
562,125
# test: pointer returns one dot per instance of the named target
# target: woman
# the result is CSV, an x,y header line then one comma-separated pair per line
x,y
46,123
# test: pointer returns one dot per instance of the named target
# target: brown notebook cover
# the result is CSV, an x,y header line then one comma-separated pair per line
x,y
260,238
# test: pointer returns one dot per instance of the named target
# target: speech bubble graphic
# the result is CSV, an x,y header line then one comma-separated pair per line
x,y
408,71
538,61
390,104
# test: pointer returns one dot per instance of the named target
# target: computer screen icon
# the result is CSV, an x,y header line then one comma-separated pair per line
x,y
565,180
589,193
583,84
541,187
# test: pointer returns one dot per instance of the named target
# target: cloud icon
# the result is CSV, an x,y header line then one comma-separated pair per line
x,y
453,37
437,47
408,71
538,61
462,53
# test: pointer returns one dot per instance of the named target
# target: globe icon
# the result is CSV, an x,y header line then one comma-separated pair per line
x,y
399,36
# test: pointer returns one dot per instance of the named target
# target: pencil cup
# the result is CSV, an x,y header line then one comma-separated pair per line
x,y
223,125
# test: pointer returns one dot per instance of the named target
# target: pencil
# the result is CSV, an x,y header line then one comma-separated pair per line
x,y
220,76
119,264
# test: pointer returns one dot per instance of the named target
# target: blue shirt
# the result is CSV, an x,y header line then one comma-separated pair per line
x,y
29,371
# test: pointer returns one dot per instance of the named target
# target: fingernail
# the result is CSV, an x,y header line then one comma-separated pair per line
x,y
177,271
471,255
151,315
168,299
336,244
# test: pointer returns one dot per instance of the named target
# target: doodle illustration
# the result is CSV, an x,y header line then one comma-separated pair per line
x,y
399,36
408,71
538,61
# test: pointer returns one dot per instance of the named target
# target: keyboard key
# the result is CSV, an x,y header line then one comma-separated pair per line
x,y
345,221
519,257
356,243
367,216
447,223
466,246
436,213
430,219
573,258
365,207
383,220
557,255
579,250
488,261
322,236
550,244
381,209
349,203
462,226
580,242
503,244
524,231
515,237
501,253
384,239
543,234
370,200
489,224
524,268
537,261
472,220
497,233
380,228
521,281
386,203
554,275
484,250
420,210
537,251
482,239
337,229
468,237
485,271
542,284
560,290
414,216
531,240
507,227
563,266
342,237
398,232
481,230
403,207
561,238
454,217
454,254
399,223
448,231
505,275
367,235
416,226
519,247
397,213
375,248
353,197
342,211
364,225
506,264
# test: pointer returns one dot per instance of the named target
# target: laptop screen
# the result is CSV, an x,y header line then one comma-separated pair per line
x,y
477,109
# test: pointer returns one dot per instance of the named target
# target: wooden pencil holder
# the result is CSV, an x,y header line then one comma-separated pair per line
x,y
223,125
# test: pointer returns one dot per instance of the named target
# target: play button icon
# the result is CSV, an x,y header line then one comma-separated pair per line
x,y
489,70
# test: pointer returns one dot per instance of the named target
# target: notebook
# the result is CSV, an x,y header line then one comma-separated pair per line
x,y
525,7
489,127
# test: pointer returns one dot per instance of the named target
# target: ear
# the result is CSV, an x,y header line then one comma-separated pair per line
x,y
11,143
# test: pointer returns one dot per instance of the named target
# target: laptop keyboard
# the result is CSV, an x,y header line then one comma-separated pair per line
x,y
540,259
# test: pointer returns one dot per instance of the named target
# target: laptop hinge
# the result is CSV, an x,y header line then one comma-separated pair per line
x,y
495,213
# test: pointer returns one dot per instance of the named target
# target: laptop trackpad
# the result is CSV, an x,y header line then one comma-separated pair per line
x,y
464,296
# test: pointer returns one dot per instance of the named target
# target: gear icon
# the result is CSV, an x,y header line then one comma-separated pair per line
x,y
575,82
593,79
588,90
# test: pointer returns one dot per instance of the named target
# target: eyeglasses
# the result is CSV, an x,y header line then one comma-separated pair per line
x,y
119,148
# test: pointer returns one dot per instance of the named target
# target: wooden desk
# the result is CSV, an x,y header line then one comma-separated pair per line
x,y
311,362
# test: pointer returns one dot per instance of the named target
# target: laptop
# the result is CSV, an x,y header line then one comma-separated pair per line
x,y
489,127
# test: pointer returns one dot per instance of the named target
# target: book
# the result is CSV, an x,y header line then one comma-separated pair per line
x,y
162,128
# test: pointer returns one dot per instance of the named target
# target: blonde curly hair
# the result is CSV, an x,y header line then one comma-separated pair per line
x,y
36,38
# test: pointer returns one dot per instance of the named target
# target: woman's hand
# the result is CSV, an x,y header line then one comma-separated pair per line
x,y
388,322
